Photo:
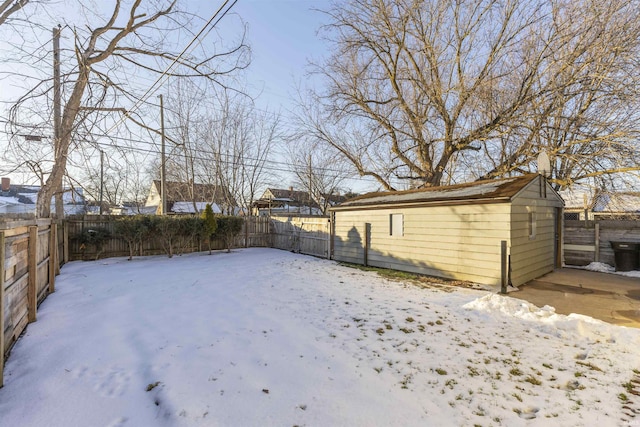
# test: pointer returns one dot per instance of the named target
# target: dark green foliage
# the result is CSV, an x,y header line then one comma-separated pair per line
x,y
228,228
189,228
210,224
133,230
167,230
96,237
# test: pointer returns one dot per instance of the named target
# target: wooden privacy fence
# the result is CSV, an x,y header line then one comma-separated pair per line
x,y
305,235
28,266
590,241
255,233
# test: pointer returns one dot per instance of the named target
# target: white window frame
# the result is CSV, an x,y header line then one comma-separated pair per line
x,y
532,224
396,225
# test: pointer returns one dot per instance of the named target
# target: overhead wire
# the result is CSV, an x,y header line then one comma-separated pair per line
x,y
151,90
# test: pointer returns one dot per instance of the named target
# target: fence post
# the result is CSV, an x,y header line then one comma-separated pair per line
x,y
2,308
65,241
367,233
53,255
504,267
32,262
597,243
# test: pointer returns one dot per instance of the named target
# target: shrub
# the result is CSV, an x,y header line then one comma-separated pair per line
x,y
228,228
132,229
96,237
188,229
210,224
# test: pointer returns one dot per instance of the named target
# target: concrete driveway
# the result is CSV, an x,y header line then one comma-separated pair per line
x,y
608,297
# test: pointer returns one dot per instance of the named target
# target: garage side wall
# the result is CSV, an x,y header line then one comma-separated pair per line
x,y
533,233
456,242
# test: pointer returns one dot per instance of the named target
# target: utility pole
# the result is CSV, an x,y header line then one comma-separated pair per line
x,y
163,172
57,112
101,178
310,184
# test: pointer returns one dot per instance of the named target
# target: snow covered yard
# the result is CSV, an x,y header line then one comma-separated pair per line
x,y
263,337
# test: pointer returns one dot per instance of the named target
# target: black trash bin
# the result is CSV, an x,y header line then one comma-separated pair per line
x,y
626,255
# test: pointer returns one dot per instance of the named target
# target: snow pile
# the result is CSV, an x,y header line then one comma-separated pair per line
x,y
606,268
547,320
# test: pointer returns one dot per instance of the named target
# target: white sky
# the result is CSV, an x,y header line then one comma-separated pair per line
x,y
266,337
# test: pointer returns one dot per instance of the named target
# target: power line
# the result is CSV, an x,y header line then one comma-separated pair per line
x,y
151,90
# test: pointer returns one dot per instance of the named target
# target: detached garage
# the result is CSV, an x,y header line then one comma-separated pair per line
x,y
506,230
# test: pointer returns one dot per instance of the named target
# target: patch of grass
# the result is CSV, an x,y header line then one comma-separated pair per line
x,y
378,370
441,371
517,396
623,397
548,365
533,380
628,386
439,322
636,371
515,372
578,374
153,385
473,372
421,328
388,326
406,381
407,330
589,365
410,319
451,383
380,331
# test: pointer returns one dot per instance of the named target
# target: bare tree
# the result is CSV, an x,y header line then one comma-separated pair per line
x,y
319,170
433,90
104,58
9,7
238,142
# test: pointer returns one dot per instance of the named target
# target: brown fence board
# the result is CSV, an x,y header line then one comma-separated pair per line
x,y
585,233
23,264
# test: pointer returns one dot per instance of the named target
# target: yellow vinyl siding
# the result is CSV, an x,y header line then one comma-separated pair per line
x,y
459,242
532,258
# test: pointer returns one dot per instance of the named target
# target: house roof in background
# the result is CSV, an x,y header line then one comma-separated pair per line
x,y
187,207
288,195
497,189
617,202
182,191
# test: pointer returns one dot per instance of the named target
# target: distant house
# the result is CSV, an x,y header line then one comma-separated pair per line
x,y
583,204
189,198
278,201
21,199
457,231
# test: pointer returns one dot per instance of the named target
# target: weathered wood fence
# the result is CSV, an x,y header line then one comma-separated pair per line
x,y
590,241
305,235
255,233
29,263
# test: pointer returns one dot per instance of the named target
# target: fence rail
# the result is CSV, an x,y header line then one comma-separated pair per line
x,y
590,241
